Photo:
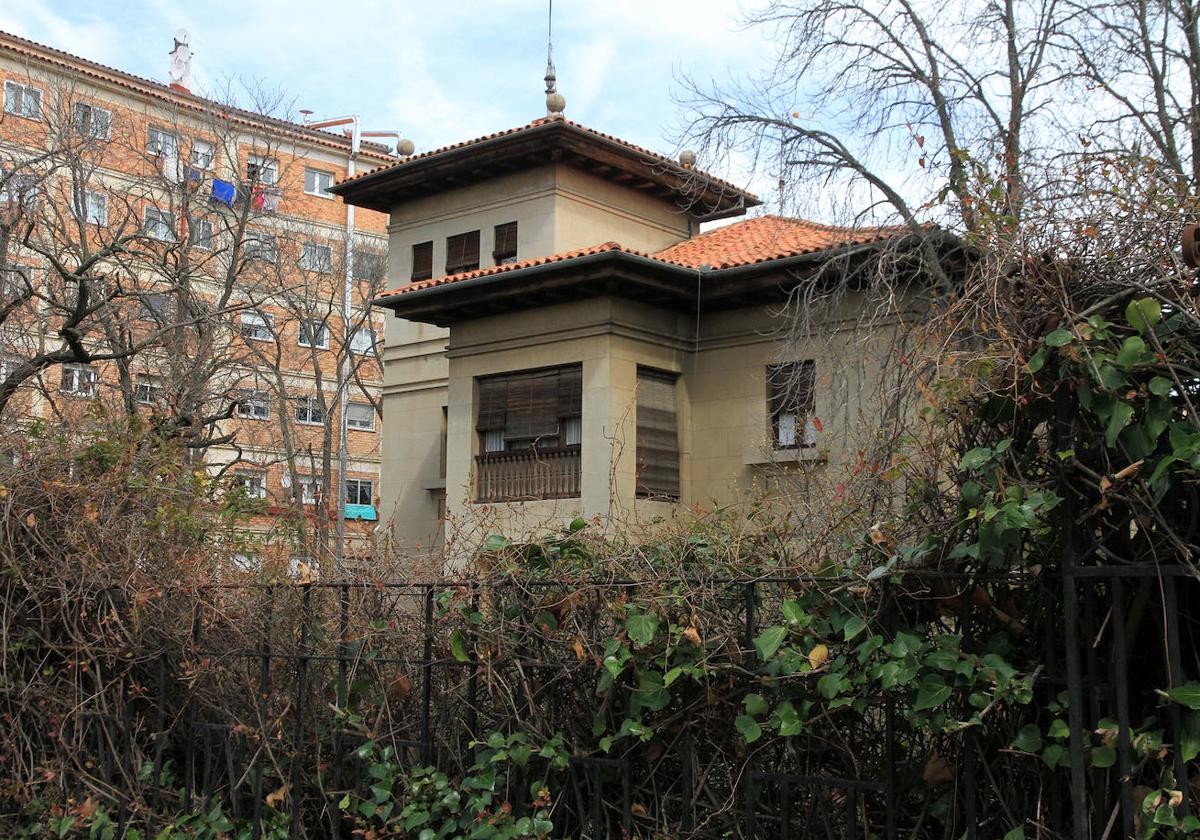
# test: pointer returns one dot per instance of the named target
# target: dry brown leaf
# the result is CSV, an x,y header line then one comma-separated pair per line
x,y
693,636
306,575
276,797
401,687
877,535
637,809
1130,471
818,656
937,771
577,646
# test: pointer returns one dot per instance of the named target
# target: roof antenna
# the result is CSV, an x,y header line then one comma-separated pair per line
x,y
555,102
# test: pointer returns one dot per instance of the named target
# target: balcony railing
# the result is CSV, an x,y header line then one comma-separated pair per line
x,y
527,475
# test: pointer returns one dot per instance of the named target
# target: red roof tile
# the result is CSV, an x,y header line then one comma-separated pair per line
x,y
138,84
540,122
766,238
752,241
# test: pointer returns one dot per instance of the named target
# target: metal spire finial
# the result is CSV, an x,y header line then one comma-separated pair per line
x,y
555,102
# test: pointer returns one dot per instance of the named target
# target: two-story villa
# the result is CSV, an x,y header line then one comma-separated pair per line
x,y
564,341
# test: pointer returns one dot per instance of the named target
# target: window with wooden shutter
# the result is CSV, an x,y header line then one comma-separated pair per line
x,y
657,435
529,426
790,402
462,252
505,246
422,261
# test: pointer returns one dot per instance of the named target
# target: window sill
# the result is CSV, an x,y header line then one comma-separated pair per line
x,y
801,455
327,196
350,428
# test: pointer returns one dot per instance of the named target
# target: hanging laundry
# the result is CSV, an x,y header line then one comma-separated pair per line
x,y
257,197
270,200
223,192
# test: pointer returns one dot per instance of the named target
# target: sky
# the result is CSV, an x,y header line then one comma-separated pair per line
x,y
439,72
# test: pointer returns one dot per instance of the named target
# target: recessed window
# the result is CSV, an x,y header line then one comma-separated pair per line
x,y
422,261
360,491
309,411
155,307
261,246
462,252
149,389
262,170
18,188
254,404
22,99
310,488
203,154
657,435
246,563
161,144
253,484
314,257
159,224
92,207
790,403
200,234
369,265
363,340
258,326
314,334
504,251
78,380
317,182
92,121
360,416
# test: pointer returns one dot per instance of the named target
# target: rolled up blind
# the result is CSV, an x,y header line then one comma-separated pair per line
x,y
657,435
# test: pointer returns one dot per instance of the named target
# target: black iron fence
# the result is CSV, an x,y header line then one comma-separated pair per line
x,y
265,713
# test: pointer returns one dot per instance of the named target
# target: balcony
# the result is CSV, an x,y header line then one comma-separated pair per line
x,y
527,475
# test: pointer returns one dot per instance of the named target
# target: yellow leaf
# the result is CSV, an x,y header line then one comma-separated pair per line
x,y
306,575
276,797
818,656
693,636
580,653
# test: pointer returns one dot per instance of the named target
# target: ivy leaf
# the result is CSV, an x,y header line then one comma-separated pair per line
x,y
1143,314
1059,338
1054,756
830,686
1160,386
1017,833
755,704
1037,361
854,626
769,641
641,628
932,692
748,727
1103,757
496,542
976,458
1132,351
1187,694
458,646
1121,415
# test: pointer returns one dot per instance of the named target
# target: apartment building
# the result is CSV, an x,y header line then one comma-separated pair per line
x,y
192,249
566,341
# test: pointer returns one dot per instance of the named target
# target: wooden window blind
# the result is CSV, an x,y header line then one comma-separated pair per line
x,y
422,261
790,402
505,246
528,408
462,252
657,435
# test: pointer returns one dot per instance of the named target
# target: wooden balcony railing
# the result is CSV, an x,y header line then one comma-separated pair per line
x,y
527,475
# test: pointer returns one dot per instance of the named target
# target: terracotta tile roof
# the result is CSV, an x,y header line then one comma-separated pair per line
x,y
748,242
535,124
766,238
138,84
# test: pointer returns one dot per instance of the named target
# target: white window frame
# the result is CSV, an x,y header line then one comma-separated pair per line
x,y
17,94
254,404
256,325
93,207
161,143
253,482
155,307
318,190
246,563
83,380
353,424
305,334
359,482
267,170
154,219
308,408
357,345
149,389
316,257
23,187
310,488
261,246
204,243
199,159
84,119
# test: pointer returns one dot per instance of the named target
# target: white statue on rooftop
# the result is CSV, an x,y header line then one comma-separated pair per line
x,y
181,60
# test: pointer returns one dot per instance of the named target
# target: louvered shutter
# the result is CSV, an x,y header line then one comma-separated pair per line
x,y
422,261
657,435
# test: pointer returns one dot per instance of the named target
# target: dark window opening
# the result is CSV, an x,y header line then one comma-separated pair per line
x,y
790,402
462,252
505,250
422,261
657,435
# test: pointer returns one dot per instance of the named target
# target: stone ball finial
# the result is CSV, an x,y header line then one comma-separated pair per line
x,y
556,103
405,147
687,158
